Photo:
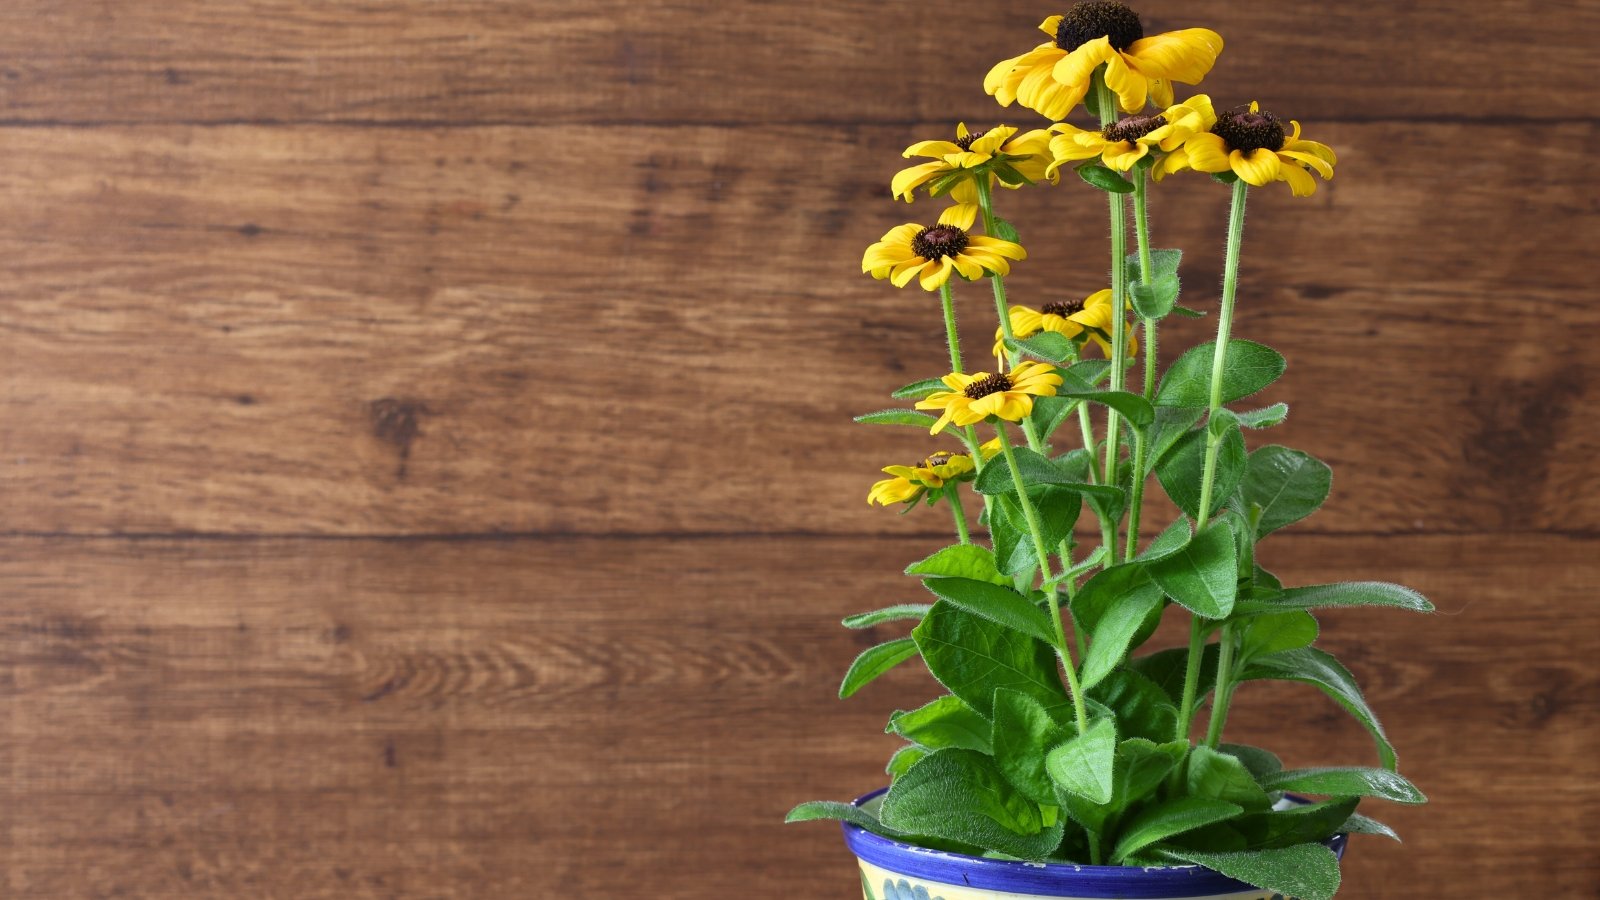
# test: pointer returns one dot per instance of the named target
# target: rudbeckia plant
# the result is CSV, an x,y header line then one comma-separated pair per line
x,y
1064,757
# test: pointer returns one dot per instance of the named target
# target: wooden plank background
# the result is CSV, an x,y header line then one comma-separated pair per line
x,y
425,442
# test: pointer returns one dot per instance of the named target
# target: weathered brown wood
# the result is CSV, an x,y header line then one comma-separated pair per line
x,y
315,718
349,331
468,62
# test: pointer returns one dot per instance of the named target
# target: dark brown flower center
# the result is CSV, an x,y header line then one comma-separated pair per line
x,y
939,242
1063,308
941,458
983,387
1086,21
966,143
1246,131
1131,128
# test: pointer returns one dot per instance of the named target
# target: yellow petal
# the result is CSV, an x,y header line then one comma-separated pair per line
x,y
1321,151
1050,25
936,273
1075,68
969,267
1207,153
1315,162
885,254
961,215
904,272
1130,87
1301,184
1122,155
909,179
997,246
993,139
1259,167
1175,161
1184,56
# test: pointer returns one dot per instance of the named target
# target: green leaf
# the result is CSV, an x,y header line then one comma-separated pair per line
x,y
1275,633
1261,763
1349,593
1046,345
898,417
998,604
1224,777
1035,470
1172,539
1170,425
875,661
1156,299
1013,548
944,722
1005,231
1359,824
1083,766
1163,261
1166,669
816,810
1090,371
1188,313
918,390
1182,470
903,759
960,561
1049,413
1266,417
1224,177
1312,666
1202,576
1141,766
1347,782
1304,871
1133,407
1298,824
903,612
1104,179
1248,368
973,656
1143,710
1165,820
1114,630
1287,485
961,795
1024,733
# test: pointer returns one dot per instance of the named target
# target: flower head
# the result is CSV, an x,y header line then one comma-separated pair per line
x,y
1124,142
1007,395
1086,319
932,253
908,484
1053,77
998,154
1253,145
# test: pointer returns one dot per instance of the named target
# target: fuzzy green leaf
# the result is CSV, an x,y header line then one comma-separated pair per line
x,y
1301,823
1024,733
1165,820
1155,299
1312,666
1261,763
1140,768
816,810
918,390
995,603
905,612
1202,577
875,661
1036,470
1046,345
1004,230
1104,179
1172,539
903,759
1115,630
898,417
1143,710
960,561
973,656
1171,424
961,795
1287,485
1223,777
1182,469
1305,871
943,722
1084,765
1359,824
1349,593
1266,417
1347,782
1275,633
1133,407
1248,368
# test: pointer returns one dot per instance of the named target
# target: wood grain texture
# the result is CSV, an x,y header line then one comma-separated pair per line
x,y
425,442
306,718
350,331
673,62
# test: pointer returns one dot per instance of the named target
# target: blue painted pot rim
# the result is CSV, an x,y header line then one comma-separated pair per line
x,y
1047,879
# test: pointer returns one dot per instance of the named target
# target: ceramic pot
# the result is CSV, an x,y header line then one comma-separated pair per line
x,y
891,870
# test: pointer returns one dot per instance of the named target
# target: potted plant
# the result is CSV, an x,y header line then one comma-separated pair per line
x,y
1062,762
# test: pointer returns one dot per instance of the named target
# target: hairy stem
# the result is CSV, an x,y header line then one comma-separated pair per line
x,y
954,496
1141,229
1107,102
1219,358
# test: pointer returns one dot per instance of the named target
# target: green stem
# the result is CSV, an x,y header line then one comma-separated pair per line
x,y
1107,101
954,496
1191,678
1141,230
1224,689
1219,358
952,336
1035,532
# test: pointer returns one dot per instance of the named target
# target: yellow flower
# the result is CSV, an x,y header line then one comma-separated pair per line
x,y
1089,317
910,483
1053,77
910,251
1124,142
973,398
998,154
1253,145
